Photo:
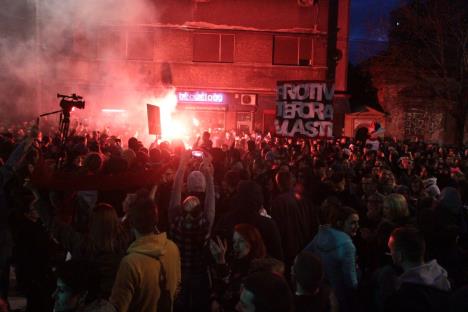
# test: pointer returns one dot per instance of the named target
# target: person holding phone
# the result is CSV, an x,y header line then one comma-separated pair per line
x,y
191,218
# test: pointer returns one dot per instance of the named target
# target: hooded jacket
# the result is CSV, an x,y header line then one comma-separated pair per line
x,y
423,288
429,274
430,186
338,254
136,286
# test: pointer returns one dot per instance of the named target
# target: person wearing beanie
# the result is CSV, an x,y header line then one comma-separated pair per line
x,y
196,182
190,221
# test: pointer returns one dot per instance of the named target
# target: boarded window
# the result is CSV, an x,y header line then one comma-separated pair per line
x,y
212,47
140,45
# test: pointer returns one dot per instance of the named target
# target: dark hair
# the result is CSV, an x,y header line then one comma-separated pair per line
x,y
284,180
93,162
232,178
339,215
249,197
143,213
327,208
308,271
410,241
271,292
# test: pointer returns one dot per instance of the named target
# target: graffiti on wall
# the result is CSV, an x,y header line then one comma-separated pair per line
x,y
422,124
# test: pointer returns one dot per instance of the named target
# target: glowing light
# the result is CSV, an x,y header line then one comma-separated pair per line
x,y
195,122
170,128
200,97
113,110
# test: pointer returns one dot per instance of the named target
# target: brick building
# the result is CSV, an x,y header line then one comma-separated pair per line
x,y
223,57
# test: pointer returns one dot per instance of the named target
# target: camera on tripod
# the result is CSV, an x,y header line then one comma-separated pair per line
x,y
67,102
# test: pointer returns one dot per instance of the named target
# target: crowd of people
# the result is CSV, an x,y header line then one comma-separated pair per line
x,y
249,223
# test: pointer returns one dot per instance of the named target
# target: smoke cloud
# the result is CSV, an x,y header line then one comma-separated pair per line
x,y
93,48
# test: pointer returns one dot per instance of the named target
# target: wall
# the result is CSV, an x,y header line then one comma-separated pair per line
x,y
253,23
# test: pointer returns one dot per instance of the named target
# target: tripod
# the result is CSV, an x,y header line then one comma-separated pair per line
x,y
64,124
64,127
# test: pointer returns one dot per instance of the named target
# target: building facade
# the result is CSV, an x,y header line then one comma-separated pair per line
x,y
224,58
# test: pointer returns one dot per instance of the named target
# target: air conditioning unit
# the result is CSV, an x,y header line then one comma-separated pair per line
x,y
248,99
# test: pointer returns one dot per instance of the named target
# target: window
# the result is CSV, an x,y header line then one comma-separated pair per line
x,y
140,45
289,50
111,43
212,47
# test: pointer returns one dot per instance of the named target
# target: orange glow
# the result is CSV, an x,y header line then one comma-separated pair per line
x,y
171,128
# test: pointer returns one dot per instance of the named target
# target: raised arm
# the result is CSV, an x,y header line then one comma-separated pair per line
x,y
176,193
209,205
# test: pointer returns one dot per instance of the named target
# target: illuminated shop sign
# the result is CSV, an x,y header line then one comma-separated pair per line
x,y
200,97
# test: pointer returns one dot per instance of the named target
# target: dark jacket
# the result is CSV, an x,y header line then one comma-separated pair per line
x,y
246,205
297,223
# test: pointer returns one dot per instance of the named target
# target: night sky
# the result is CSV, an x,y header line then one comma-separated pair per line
x,y
369,26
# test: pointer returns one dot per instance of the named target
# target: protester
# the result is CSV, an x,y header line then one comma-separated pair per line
x,y
423,285
75,280
311,292
190,230
149,275
247,204
265,292
297,219
231,269
239,187
335,247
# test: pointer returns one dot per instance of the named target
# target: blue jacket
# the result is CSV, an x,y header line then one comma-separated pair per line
x,y
338,254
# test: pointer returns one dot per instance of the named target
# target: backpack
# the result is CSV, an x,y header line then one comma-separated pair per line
x,y
165,300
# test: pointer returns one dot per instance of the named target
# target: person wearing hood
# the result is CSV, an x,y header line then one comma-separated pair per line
x,y
430,183
334,246
423,286
148,277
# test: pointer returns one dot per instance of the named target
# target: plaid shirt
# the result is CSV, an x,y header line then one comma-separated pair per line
x,y
191,239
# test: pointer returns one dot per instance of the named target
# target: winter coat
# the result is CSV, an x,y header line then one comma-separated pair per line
x,y
423,288
338,254
297,223
431,188
136,286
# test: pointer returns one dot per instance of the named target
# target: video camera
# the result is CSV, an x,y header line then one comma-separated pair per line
x,y
67,102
